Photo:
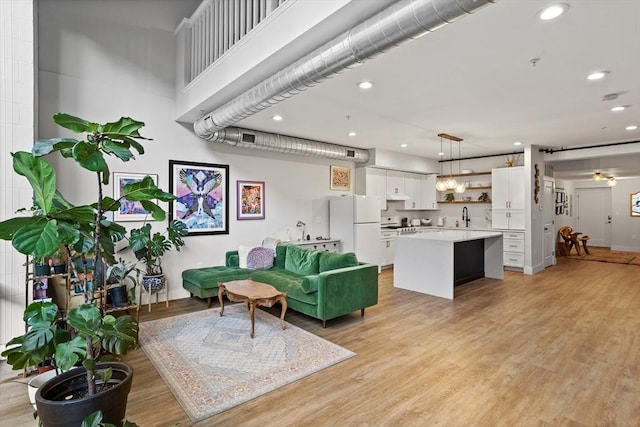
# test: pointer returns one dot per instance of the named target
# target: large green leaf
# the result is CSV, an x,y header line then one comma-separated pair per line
x,y
89,157
85,319
156,211
46,146
72,123
119,334
145,189
60,203
68,353
41,176
175,232
39,239
40,335
9,227
67,233
108,205
125,126
19,358
119,150
40,312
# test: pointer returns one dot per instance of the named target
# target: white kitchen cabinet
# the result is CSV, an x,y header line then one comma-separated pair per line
x,y
429,194
508,195
412,188
513,248
395,182
372,182
386,252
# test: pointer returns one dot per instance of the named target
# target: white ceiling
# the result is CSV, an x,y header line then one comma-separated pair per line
x,y
475,79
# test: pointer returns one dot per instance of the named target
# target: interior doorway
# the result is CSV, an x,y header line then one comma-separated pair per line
x,y
548,199
594,215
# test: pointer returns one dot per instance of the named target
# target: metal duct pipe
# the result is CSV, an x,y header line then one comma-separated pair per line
x,y
395,25
288,144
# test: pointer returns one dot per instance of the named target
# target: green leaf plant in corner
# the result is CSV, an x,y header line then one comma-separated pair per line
x,y
81,230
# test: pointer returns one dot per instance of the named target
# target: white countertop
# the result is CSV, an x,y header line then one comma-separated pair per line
x,y
455,235
450,227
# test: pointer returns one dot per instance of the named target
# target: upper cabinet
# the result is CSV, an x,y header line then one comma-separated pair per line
x,y
508,198
416,191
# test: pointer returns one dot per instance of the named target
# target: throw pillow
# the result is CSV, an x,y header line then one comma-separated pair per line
x,y
260,258
301,261
331,260
243,252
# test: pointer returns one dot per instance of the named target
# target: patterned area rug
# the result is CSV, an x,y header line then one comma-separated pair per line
x,y
211,364
605,255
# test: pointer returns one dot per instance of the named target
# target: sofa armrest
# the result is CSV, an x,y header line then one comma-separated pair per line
x,y
348,289
231,259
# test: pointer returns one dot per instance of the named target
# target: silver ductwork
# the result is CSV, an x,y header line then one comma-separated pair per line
x,y
288,144
398,24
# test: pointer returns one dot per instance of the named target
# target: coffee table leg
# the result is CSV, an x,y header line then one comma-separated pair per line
x,y
220,295
283,303
252,310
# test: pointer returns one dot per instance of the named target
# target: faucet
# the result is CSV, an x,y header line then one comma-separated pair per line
x,y
465,216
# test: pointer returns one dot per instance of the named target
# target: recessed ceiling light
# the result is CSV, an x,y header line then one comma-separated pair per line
x,y
352,133
403,145
632,127
597,75
277,118
365,85
619,108
517,143
553,11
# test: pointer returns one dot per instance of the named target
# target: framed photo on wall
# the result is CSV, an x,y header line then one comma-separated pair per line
x,y
130,211
635,204
250,200
202,201
340,178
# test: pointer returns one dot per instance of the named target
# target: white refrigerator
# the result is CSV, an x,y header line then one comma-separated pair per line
x,y
355,220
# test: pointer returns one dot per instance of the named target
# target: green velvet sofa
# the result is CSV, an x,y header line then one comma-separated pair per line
x,y
323,285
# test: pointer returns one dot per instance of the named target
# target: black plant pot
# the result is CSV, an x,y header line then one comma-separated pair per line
x,y
41,270
55,411
117,296
60,268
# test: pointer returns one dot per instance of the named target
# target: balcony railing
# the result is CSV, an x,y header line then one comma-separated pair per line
x,y
219,24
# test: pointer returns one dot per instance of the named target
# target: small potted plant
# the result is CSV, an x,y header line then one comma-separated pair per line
x,y
483,197
149,248
449,197
121,284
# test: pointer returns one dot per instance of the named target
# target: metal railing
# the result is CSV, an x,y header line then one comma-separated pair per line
x,y
219,24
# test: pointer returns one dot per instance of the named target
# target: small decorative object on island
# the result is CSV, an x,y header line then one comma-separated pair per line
x,y
85,230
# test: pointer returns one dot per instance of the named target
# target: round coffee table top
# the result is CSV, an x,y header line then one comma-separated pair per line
x,y
251,289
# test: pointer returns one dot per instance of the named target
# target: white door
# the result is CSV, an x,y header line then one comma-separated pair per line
x,y
548,213
594,215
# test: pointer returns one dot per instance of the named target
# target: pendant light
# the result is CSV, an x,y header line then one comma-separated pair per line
x,y
611,181
441,184
460,187
451,181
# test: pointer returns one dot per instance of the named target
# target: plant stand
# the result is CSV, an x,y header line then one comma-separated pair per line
x,y
154,285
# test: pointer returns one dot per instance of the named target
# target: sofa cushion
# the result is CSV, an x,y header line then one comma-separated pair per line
x,y
302,261
243,253
281,255
286,281
260,258
332,261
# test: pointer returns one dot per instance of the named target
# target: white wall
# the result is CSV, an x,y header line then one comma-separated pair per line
x,y
99,69
16,133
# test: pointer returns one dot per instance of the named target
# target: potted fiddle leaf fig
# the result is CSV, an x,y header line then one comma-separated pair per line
x,y
86,230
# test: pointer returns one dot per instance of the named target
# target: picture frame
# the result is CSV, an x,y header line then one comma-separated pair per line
x,y
251,201
129,211
634,201
340,178
202,201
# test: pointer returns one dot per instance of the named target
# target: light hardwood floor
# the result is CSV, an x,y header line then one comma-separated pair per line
x,y
560,348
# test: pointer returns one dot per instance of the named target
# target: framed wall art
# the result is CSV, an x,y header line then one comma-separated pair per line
x,y
202,201
635,204
250,200
340,178
130,211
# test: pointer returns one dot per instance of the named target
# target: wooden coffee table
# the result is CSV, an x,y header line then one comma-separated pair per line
x,y
255,294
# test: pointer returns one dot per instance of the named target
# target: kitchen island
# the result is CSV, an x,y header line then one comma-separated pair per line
x,y
434,262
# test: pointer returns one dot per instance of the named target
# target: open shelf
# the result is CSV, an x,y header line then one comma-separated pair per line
x,y
466,174
463,202
469,189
